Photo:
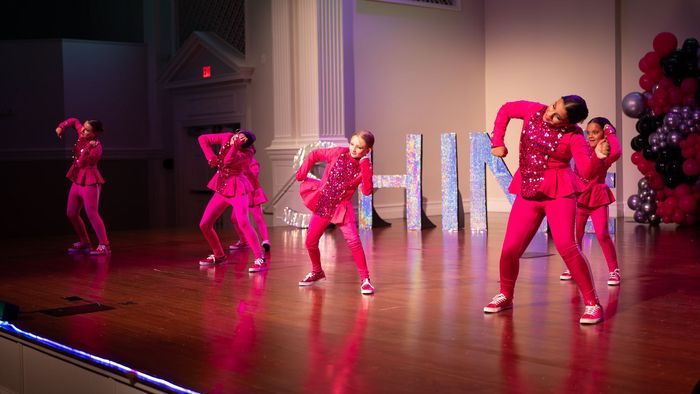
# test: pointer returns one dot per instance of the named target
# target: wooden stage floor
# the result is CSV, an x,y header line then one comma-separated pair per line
x,y
221,329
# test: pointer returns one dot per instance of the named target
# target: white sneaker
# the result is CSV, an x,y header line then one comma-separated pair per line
x,y
366,287
259,265
566,275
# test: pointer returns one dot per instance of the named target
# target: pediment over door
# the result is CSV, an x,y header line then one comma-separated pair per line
x,y
206,49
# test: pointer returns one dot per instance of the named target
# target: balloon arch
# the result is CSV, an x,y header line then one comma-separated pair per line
x,y
667,148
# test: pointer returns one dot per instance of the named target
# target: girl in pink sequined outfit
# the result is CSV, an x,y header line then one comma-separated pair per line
x,y
593,202
231,188
329,200
545,185
87,182
257,199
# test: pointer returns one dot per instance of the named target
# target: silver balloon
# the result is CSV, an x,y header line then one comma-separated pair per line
x,y
683,128
676,109
654,219
633,202
648,207
654,139
639,216
643,184
674,138
696,114
662,144
633,105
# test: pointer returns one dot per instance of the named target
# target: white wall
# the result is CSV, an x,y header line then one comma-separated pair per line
x,y
542,50
107,81
31,98
258,53
640,22
418,70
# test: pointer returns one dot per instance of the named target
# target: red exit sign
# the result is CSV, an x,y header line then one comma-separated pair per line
x,y
206,72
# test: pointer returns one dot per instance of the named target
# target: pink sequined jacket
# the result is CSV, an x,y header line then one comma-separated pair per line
x,y
311,189
232,164
84,170
597,193
559,180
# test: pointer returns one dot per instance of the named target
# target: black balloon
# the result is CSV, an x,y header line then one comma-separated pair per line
x,y
690,47
638,143
649,153
672,180
661,166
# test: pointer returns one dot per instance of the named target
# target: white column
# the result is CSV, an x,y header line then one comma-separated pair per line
x,y
331,75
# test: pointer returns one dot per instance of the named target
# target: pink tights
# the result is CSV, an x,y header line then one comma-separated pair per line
x,y
525,218
317,226
599,217
215,208
87,197
257,213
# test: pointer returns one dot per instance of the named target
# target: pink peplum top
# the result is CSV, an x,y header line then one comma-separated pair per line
x,y
597,193
84,170
545,152
232,163
330,197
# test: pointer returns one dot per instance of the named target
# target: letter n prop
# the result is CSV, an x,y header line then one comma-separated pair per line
x,y
480,160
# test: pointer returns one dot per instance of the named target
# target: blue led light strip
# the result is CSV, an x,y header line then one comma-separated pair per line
x,y
9,327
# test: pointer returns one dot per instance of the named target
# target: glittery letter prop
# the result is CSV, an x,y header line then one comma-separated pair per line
x,y
289,215
450,183
481,158
610,181
411,182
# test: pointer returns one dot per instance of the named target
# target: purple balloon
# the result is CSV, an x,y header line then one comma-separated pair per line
x,y
633,105
696,114
687,112
674,138
672,120
675,109
648,207
633,202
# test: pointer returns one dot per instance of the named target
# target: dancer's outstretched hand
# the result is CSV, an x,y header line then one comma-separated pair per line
x,y
59,132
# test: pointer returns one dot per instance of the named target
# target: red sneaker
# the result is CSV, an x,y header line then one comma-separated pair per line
x,y
212,260
499,303
566,275
238,246
311,278
259,265
366,287
592,315
614,278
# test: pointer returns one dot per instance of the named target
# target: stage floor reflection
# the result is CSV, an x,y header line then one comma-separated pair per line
x,y
221,329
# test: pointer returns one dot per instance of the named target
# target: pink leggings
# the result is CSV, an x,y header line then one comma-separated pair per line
x,y
257,213
317,226
599,217
89,198
215,208
525,218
